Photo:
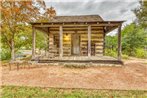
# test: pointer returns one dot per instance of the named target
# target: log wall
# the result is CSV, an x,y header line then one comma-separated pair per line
x,y
96,44
66,44
97,39
53,45
84,44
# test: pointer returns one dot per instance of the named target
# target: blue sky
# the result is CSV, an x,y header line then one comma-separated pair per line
x,y
107,9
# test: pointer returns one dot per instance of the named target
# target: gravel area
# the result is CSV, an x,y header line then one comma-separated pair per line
x,y
131,76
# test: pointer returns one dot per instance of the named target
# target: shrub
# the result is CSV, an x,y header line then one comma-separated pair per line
x,y
112,53
141,53
5,54
124,56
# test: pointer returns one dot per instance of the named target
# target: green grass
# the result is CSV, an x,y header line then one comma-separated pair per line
x,y
36,92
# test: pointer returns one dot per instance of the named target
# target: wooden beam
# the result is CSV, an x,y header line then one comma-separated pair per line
x,y
33,42
89,41
88,22
71,25
104,34
75,29
61,41
42,30
119,43
48,40
45,29
79,32
68,29
109,29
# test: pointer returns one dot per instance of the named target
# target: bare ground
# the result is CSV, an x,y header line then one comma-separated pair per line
x,y
131,76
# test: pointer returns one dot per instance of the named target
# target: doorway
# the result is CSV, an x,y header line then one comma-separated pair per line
x,y
76,44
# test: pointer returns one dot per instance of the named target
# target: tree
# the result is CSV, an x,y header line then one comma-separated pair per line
x,y
133,37
15,16
141,13
111,42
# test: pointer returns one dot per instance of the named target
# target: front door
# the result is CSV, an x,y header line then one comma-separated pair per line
x,y
76,44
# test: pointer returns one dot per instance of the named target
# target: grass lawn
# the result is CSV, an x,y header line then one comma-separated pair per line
x,y
36,92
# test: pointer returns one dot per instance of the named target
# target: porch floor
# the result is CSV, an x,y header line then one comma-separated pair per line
x,y
81,59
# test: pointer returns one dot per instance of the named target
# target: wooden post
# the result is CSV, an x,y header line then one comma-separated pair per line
x,y
119,43
104,34
33,42
89,41
48,42
61,41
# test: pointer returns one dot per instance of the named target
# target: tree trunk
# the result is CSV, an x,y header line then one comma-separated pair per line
x,y
12,50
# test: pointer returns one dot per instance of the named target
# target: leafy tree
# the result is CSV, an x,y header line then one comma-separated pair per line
x,y
111,42
141,13
111,46
133,37
15,16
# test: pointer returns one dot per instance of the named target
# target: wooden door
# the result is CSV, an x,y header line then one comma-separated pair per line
x,y
75,44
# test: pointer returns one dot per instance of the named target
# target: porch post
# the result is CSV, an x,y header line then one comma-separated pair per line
x,y
48,42
48,34
33,42
60,41
89,40
119,43
104,37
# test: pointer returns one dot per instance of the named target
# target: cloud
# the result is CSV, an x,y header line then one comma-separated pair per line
x,y
107,9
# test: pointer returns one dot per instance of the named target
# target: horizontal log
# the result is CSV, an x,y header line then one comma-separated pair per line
x,y
77,24
67,41
99,48
84,49
85,44
96,40
99,45
101,52
66,53
78,32
84,30
93,37
66,47
76,27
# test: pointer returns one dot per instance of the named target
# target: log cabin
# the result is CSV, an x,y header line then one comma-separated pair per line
x,y
76,38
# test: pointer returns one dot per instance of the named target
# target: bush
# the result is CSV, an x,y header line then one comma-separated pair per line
x,y
124,56
111,53
5,54
141,53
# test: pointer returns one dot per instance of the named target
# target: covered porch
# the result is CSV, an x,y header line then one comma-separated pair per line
x,y
74,40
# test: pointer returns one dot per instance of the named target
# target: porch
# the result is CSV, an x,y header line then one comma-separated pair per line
x,y
80,59
76,39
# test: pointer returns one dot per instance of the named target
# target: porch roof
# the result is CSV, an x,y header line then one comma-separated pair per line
x,y
77,21
80,18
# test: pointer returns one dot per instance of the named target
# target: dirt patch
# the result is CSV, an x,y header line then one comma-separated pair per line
x,y
131,76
